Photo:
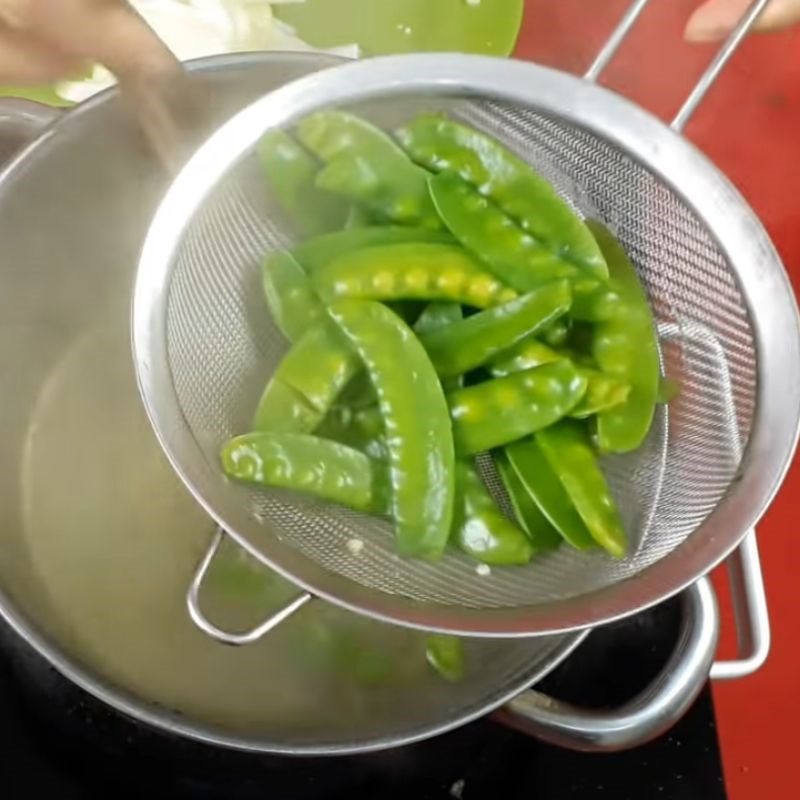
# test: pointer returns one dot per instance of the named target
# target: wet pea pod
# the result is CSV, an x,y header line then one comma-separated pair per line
x,y
391,193
434,317
308,464
442,145
526,354
366,166
330,134
292,172
499,411
626,347
470,343
602,391
313,372
345,425
567,449
542,485
540,531
480,528
416,423
291,298
284,410
316,253
516,257
411,272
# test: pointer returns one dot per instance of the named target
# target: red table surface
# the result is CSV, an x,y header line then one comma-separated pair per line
x,y
749,126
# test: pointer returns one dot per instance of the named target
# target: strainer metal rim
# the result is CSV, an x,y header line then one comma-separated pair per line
x,y
675,161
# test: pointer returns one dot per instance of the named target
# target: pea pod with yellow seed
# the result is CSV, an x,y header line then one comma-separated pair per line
x,y
411,272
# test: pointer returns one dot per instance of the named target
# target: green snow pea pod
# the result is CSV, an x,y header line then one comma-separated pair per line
x,y
342,425
292,172
538,528
411,272
593,300
291,298
626,347
527,354
468,344
516,257
445,654
502,410
442,145
357,218
479,527
307,464
557,333
366,165
285,410
568,451
603,392
330,134
416,421
434,317
394,192
546,490
315,253
317,367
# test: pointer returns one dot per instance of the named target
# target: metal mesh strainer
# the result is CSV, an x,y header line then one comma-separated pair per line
x,y
728,323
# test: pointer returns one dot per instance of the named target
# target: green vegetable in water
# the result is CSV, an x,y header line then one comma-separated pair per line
x,y
446,655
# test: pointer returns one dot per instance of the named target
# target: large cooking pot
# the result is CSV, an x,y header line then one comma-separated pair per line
x,y
99,538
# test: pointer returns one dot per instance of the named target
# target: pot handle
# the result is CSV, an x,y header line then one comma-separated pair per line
x,y
25,119
650,713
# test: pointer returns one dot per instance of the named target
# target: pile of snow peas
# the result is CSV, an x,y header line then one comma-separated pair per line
x,y
446,302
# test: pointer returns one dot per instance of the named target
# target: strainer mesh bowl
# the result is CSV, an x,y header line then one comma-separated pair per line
x,y
222,347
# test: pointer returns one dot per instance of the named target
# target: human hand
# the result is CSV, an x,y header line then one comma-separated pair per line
x,y
46,40
715,19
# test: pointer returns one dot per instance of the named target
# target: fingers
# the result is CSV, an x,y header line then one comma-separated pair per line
x,y
715,19
108,32
27,61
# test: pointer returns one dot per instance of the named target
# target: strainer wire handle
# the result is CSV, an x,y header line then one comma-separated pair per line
x,y
226,637
650,713
707,79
